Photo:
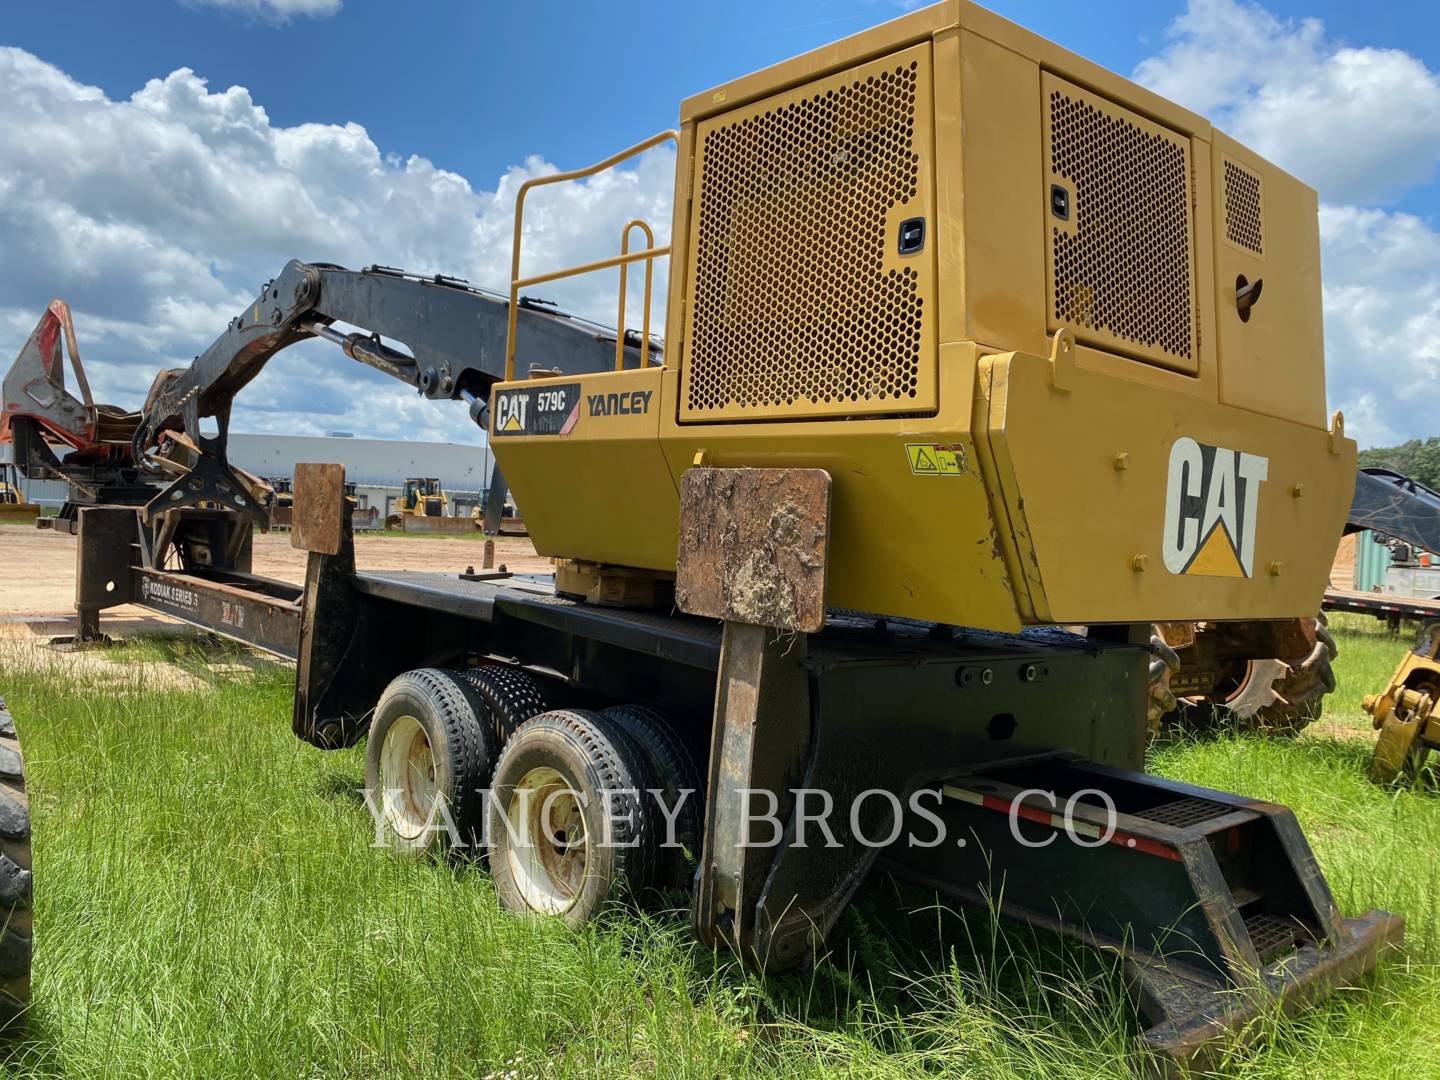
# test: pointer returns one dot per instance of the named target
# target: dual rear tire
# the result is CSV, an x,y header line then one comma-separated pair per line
x,y
428,754
570,828
575,808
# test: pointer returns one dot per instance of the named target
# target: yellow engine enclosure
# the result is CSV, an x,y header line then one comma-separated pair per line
x,y
1049,409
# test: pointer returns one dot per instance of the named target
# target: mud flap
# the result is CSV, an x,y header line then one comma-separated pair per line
x,y
328,712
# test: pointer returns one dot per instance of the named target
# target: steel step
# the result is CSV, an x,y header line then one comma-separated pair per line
x,y
1215,900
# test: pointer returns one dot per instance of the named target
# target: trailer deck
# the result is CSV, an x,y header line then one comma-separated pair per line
x,y
1387,606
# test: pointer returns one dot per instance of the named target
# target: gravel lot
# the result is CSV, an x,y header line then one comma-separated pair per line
x,y
37,567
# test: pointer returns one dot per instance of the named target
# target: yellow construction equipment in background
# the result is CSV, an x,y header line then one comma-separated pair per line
x,y
1405,713
282,505
282,501
511,523
423,507
14,507
420,497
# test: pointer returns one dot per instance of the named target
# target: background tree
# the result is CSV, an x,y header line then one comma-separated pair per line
x,y
1416,459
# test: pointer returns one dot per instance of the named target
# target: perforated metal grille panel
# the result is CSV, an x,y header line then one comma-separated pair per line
x,y
1244,225
800,304
1121,265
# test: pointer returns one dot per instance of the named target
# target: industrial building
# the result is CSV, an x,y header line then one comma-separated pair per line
x,y
1361,562
377,466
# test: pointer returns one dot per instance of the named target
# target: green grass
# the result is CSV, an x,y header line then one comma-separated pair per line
x,y
209,904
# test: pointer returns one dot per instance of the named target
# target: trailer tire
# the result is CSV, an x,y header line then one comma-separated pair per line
x,y
550,784
511,696
16,880
673,770
430,749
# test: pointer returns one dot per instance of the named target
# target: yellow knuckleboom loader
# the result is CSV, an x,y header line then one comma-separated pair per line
x,y
967,331
989,380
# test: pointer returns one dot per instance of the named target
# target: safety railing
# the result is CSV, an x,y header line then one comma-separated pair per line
x,y
624,281
624,260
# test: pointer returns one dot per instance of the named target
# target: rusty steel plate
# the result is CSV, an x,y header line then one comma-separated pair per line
x,y
316,522
753,546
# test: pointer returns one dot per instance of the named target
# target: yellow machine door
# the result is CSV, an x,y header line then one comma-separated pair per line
x,y
811,288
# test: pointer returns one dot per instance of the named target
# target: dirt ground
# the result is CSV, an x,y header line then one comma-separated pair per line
x,y
37,570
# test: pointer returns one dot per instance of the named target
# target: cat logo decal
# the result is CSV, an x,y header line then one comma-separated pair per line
x,y
1212,501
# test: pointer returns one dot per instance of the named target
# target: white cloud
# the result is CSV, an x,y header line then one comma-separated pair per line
x,y
159,217
1361,125
1382,321
1358,124
280,11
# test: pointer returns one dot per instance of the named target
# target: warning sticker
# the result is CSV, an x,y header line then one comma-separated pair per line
x,y
929,459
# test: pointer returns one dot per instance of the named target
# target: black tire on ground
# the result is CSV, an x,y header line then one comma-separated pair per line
x,y
430,749
675,773
16,880
511,696
558,845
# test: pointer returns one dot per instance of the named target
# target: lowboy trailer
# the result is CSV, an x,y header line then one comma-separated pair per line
x,y
1215,900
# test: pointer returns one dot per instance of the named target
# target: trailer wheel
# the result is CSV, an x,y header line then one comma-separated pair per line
x,y
676,777
559,845
428,757
511,696
16,879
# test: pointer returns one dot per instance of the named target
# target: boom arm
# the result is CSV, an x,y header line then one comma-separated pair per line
x,y
456,333
1397,506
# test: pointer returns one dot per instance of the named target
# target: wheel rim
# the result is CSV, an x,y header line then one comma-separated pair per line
x,y
548,850
1243,689
407,774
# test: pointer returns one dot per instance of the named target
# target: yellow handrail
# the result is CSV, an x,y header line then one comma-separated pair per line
x,y
624,281
624,259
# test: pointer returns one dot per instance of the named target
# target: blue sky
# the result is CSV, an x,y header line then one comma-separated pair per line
x,y
476,86
355,93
